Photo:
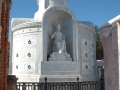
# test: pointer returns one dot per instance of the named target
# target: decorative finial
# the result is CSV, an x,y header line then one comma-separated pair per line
x,y
77,79
38,1
45,79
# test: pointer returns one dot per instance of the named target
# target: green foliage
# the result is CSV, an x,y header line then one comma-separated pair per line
x,y
119,21
99,48
97,29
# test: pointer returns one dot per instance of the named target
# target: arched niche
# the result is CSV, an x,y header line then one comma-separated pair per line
x,y
63,16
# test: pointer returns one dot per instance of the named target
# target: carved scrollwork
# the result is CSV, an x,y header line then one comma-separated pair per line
x,y
17,55
92,45
93,67
86,55
29,55
86,67
29,42
17,67
29,67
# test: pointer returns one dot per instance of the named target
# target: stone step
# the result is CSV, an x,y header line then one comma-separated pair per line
x,y
60,57
54,55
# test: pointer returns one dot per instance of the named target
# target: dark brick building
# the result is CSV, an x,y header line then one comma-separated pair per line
x,y
5,6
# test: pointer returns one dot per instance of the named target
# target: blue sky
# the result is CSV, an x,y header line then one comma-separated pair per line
x,y
96,11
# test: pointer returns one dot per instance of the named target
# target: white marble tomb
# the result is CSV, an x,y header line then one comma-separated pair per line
x,y
69,54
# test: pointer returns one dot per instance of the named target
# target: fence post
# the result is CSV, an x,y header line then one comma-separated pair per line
x,y
24,86
77,84
45,85
11,82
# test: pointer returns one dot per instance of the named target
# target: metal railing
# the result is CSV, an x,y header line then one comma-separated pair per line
x,y
90,85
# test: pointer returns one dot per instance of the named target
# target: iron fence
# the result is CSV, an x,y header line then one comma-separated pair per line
x,y
90,85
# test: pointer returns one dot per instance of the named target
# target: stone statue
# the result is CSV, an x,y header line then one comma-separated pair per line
x,y
59,44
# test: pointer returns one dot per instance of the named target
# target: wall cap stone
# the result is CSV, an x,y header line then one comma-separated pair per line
x,y
86,26
106,29
27,25
111,21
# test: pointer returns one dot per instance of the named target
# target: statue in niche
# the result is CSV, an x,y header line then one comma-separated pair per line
x,y
59,44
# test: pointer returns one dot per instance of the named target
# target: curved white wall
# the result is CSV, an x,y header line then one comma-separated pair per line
x,y
87,51
26,51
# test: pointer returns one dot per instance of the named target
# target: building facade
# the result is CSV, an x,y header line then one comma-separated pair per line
x,y
5,6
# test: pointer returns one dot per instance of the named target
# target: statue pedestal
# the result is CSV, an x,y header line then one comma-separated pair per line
x,y
60,57
60,71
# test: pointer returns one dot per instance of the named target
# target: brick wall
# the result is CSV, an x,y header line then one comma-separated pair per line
x,y
0,9
5,12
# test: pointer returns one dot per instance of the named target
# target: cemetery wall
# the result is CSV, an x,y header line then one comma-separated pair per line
x,y
110,35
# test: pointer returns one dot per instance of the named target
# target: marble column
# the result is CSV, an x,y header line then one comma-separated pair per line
x,y
110,38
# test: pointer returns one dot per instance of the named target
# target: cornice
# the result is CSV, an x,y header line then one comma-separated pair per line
x,y
80,25
27,25
106,30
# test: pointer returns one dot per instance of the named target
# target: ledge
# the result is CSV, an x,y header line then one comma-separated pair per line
x,y
86,26
27,25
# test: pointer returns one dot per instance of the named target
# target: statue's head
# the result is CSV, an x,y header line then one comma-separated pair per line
x,y
58,27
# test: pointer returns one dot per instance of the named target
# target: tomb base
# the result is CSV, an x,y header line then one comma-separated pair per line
x,y
60,71
55,56
59,78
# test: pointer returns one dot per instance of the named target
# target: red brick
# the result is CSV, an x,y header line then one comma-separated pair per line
x,y
4,44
